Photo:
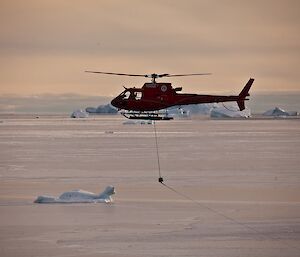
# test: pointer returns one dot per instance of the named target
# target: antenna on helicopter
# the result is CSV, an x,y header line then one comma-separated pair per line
x,y
153,75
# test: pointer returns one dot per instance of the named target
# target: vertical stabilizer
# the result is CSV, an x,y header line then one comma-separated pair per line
x,y
244,93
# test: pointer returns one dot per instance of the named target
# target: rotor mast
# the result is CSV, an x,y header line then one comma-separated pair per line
x,y
153,76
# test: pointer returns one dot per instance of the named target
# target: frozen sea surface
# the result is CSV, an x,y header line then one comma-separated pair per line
x,y
239,171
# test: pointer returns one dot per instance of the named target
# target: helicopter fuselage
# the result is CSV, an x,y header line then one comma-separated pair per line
x,y
157,96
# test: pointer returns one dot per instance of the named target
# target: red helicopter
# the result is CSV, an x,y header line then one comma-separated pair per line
x,y
145,102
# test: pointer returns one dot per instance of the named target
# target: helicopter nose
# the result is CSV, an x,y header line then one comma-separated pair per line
x,y
115,102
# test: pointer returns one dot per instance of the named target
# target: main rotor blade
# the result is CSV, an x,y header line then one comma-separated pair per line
x,y
153,75
182,75
113,73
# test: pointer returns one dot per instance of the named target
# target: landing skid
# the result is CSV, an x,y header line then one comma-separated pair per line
x,y
146,116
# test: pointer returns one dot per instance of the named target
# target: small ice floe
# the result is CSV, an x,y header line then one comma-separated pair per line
x,y
138,122
129,122
79,196
79,114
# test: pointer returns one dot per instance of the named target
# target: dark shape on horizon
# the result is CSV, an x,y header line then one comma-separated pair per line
x,y
145,102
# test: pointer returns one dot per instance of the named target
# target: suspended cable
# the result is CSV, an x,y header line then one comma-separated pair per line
x,y
160,178
231,110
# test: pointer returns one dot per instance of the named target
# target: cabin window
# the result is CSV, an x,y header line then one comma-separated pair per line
x,y
126,95
135,95
138,95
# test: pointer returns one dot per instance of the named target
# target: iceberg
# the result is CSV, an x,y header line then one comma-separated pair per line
x,y
91,110
79,196
192,109
279,112
79,114
179,113
184,113
222,112
102,109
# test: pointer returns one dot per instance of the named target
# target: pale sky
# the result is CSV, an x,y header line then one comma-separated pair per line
x,y
45,45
